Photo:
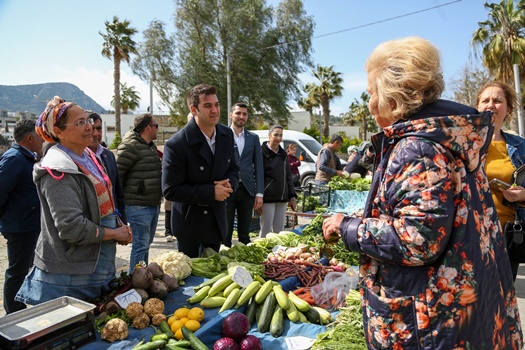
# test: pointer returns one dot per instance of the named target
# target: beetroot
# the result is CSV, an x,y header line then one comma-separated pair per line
x,y
251,342
225,344
235,326
141,278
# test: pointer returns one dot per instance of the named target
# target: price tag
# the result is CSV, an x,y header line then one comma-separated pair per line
x,y
127,298
242,277
299,343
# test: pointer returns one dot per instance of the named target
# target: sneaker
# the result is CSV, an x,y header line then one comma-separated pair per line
x,y
169,238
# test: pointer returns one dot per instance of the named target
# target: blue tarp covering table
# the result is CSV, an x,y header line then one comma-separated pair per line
x,y
211,327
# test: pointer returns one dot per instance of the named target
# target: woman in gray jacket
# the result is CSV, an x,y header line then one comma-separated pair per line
x,y
75,253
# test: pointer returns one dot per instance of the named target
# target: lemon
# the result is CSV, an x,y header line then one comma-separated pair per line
x,y
176,326
192,325
172,319
182,312
184,320
178,334
196,314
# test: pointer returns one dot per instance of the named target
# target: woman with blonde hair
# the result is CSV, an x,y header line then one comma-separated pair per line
x,y
435,273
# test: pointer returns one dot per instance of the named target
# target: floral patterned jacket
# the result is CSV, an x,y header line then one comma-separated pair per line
x,y
435,272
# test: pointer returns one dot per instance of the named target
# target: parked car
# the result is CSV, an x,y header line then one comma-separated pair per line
x,y
307,150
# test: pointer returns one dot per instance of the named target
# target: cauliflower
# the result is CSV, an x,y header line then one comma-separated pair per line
x,y
175,263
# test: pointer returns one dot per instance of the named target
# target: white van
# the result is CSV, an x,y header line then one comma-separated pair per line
x,y
307,150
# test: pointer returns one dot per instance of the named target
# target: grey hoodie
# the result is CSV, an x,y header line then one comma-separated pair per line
x,y
70,237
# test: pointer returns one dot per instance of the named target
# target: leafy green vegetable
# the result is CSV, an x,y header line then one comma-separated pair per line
x,y
99,323
207,267
253,269
347,332
340,183
242,252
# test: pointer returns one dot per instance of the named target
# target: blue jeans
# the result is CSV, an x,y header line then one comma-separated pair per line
x,y
40,286
143,221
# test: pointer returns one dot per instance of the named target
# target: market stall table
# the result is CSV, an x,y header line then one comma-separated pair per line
x,y
211,326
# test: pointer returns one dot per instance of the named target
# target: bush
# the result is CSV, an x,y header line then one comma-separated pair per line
x,y
116,141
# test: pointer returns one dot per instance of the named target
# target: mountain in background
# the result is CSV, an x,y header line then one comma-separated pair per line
x,y
33,98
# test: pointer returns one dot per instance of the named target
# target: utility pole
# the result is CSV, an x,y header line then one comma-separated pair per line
x,y
518,103
228,87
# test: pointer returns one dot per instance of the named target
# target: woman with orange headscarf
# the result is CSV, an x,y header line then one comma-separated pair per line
x,y
75,254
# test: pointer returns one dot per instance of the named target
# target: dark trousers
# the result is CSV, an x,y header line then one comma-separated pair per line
x,y
20,253
194,249
167,223
242,203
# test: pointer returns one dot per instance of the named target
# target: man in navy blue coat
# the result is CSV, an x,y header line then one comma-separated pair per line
x,y
19,208
200,171
249,195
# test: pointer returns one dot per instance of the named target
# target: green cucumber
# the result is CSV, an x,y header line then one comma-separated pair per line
x,y
165,328
195,342
152,345
199,296
250,310
263,324
209,282
312,315
277,322
179,343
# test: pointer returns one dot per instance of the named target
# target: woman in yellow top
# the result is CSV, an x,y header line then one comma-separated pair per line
x,y
506,153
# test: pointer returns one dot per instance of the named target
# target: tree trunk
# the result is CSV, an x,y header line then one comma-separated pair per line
x,y
326,115
116,90
364,128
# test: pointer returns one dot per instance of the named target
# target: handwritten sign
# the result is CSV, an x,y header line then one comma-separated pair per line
x,y
299,343
127,298
242,277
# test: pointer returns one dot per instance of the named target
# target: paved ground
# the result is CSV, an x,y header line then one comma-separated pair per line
x,y
159,246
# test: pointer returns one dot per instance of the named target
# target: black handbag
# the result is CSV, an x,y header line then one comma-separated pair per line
x,y
515,231
515,236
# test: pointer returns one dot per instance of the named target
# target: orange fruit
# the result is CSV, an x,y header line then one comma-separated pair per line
x,y
182,312
176,325
178,334
184,320
192,325
196,314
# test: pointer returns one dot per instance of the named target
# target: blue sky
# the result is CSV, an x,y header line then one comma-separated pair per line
x,y
59,41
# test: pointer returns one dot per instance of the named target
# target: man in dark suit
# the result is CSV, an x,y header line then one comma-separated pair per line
x,y
200,171
249,195
110,164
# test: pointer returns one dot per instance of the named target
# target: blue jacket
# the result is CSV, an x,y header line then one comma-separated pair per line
x,y
251,164
19,203
434,265
516,150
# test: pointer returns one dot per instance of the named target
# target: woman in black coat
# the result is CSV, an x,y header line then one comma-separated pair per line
x,y
278,183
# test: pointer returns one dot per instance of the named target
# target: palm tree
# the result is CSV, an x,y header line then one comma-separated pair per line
x,y
308,103
328,89
502,38
118,46
358,112
129,98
